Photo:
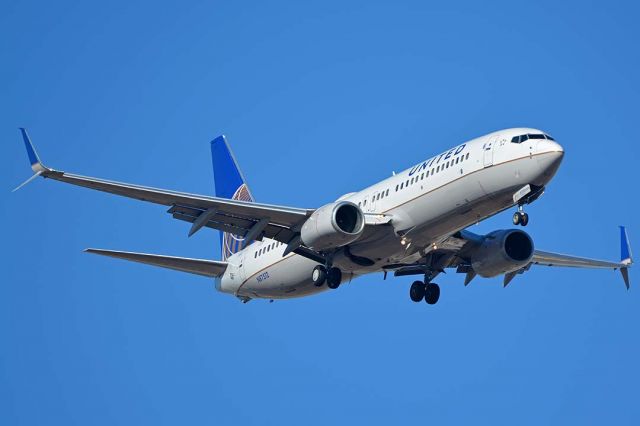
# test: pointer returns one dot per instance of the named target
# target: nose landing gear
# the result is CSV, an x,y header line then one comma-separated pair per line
x,y
520,217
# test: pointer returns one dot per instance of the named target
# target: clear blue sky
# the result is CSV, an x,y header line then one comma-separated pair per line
x,y
316,100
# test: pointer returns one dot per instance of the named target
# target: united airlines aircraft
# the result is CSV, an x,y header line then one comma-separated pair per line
x,y
413,223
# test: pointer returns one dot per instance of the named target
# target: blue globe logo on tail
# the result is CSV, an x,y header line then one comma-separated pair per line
x,y
233,243
229,183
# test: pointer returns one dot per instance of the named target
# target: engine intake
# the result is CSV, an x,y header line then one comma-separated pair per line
x,y
333,225
502,252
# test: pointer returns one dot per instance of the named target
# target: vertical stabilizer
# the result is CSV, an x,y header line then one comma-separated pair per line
x,y
229,183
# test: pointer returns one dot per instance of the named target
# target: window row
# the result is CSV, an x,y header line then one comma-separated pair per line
x,y
266,249
431,172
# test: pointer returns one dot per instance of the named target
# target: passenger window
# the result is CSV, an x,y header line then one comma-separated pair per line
x,y
457,160
396,188
378,197
386,194
467,156
437,169
364,203
402,185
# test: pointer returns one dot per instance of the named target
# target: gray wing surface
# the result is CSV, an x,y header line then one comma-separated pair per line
x,y
238,217
456,252
207,268
546,258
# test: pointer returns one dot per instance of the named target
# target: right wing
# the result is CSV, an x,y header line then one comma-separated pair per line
x,y
238,217
546,258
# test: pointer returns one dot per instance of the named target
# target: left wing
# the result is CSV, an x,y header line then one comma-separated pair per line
x,y
238,217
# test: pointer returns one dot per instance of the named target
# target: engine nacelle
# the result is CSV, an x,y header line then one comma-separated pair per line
x,y
331,226
502,252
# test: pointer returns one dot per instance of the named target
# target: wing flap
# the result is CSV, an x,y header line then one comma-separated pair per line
x,y
207,268
286,216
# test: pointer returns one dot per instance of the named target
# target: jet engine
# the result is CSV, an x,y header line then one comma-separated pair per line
x,y
333,225
502,252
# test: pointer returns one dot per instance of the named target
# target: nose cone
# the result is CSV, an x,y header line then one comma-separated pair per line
x,y
546,146
549,156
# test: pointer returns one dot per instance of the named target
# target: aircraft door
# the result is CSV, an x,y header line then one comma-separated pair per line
x,y
488,149
372,204
236,268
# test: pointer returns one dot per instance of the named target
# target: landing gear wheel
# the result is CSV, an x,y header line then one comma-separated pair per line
x,y
516,218
319,275
432,293
334,277
416,292
520,218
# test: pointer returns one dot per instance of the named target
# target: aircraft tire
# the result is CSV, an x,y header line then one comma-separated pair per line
x,y
319,275
516,218
334,277
432,293
416,291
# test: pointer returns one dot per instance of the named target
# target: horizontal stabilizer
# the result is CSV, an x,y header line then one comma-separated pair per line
x,y
207,268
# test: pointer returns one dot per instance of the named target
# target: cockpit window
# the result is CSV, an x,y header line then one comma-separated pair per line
x,y
524,138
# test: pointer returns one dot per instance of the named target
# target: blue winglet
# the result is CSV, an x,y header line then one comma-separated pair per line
x,y
625,250
36,164
31,152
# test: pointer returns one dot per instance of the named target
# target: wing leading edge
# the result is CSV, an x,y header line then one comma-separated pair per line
x,y
556,259
238,217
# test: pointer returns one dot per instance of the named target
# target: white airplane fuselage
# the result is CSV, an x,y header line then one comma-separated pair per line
x,y
428,203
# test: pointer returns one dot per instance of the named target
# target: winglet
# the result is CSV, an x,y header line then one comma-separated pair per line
x,y
626,257
625,249
36,164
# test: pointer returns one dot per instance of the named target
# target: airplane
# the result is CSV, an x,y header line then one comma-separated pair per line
x,y
412,223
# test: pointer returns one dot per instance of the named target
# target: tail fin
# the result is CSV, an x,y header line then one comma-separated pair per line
x,y
229,183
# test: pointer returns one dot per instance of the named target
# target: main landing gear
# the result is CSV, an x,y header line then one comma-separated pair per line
x,y
332,276
430,292
520,217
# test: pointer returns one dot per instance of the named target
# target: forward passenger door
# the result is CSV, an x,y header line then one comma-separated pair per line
x,y
488,147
